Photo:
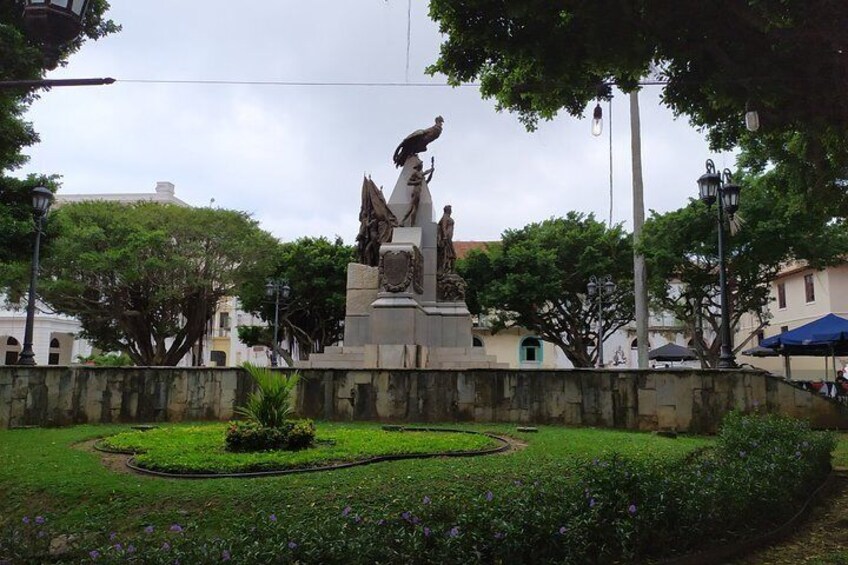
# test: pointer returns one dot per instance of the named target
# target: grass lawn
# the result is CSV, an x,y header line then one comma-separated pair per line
x,y
42,473
200,448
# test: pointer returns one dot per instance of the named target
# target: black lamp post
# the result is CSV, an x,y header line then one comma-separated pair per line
x,y
601,287
277,289
712,186
41,200
54,23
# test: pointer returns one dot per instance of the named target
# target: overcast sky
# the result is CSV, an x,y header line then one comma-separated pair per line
x,y
293,156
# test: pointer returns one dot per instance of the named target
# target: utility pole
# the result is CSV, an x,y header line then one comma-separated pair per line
x,y
640,274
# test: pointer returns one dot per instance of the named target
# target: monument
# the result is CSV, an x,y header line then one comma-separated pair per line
x,y
405,303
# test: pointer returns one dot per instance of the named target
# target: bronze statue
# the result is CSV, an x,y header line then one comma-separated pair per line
x,y
376,224
416,179
416,142
445,252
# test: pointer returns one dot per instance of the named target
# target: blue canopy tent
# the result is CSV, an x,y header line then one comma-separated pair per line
x,y
825,337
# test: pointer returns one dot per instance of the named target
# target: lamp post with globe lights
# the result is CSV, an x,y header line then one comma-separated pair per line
x,y
713,187
41,200
278,289
600,288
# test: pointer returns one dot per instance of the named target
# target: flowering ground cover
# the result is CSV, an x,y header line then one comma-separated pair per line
x,y
572,496
200,448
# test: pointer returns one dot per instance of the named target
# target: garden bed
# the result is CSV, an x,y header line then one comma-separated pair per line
x,y
198,451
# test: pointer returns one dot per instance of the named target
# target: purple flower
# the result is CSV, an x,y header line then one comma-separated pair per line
x,y
562,530
119,547
131,548
416,520
112,536
798,454
381,522
41,534
225,555
741,454
273,517
517,483
346,511
292,545
406,515
453,532
592,502
632,509
357,519
499,535
148,530
94,554
166,546
25,520
426,500
176,528
426,532
39,520
489,496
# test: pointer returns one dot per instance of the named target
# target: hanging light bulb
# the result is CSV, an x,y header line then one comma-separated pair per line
x,y
752,119
598,121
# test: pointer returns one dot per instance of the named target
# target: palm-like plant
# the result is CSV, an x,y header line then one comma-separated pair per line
x,y
272,401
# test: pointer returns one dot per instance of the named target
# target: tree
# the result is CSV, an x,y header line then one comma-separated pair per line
x,y
313,317
21,59
536,279
682,253
787,59
145,279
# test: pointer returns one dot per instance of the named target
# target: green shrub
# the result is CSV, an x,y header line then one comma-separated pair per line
x,y
301,435
250,436
107,360
271,403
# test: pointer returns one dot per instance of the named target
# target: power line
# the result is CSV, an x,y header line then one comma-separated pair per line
x,y
297,83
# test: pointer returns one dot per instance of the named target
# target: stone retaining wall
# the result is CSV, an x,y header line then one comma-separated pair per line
x,y
683,400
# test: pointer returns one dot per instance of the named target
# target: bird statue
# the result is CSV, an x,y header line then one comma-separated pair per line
x,y
416,142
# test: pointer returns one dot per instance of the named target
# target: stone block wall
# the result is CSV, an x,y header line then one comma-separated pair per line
x,y
61,396
683,400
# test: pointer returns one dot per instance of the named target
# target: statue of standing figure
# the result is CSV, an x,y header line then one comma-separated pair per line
x,y
416,180
445,251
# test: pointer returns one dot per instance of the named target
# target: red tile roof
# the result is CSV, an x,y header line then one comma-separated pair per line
x,y
464,247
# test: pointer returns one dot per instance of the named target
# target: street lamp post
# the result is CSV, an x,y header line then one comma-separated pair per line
x,y
54,23
601,287
277,289
41,200
712,186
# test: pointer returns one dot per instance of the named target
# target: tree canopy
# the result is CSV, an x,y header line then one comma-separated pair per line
x,y
787,59
536,278
145,279
313,317
681,250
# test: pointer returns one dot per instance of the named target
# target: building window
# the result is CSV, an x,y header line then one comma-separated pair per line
x,y
13,348
531,350
781,295
784,329
218,357
809,288
55,349
635,344
761,335
476,341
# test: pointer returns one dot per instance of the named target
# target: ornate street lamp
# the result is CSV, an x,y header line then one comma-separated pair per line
x,y
41,200
712,186
277,289
54,23
600,288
